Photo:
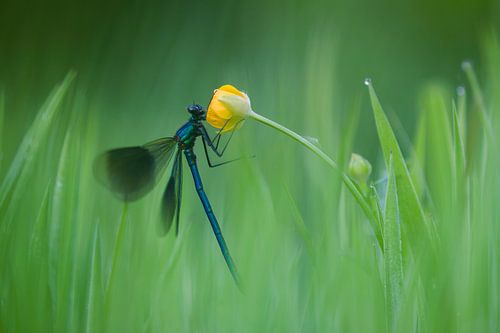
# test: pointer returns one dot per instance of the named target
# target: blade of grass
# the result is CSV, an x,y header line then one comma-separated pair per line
x,y
38,266
478,98
418,157
393,261
173,260
377,212
18,175
2,112
439,147
461,103
410,208
459,152
484,118
94,286
349,130
62,235
117,248
22,164
39,229
461,204
300,225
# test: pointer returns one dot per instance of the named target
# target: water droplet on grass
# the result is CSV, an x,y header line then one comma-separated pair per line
x,y
466,64
460,91
313,140
368,81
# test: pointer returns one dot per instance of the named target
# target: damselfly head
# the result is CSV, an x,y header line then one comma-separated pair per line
x,y
196,110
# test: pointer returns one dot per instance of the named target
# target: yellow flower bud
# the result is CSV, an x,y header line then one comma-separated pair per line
x,y
359,168
228,108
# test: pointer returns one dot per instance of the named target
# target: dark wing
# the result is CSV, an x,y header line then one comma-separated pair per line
x,y
133,171
171,201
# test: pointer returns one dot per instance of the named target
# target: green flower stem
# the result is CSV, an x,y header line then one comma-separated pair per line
x,y
345,178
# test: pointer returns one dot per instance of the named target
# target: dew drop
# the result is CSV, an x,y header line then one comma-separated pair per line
x,y
368,81
466,64
460,91
313,140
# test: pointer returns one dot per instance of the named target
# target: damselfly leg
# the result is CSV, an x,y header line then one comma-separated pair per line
x,y
214,144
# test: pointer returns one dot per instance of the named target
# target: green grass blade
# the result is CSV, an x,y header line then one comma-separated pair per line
x,y
23,161
20,173
39,229
62,236
41,309
115,259
2,113
117,247
459,152
94,287
478,98
439,146
418,158
300,225
393,260
377,212
410,208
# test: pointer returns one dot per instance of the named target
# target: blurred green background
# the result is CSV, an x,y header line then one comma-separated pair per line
x,y
143,61
73,259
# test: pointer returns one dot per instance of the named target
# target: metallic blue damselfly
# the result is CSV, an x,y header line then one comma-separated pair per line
x,y
132,172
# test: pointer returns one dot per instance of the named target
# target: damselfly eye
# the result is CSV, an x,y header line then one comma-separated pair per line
x,y
195,109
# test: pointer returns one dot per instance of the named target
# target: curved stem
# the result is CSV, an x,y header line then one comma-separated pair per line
x,y
345,178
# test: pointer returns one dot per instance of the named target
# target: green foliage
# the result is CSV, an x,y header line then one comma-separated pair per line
x,y
412,214
2,113
393,254
415,251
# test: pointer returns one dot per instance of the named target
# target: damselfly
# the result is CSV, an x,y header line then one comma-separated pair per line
x,y
133,171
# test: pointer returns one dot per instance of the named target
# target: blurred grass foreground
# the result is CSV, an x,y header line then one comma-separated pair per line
x,y
417,251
